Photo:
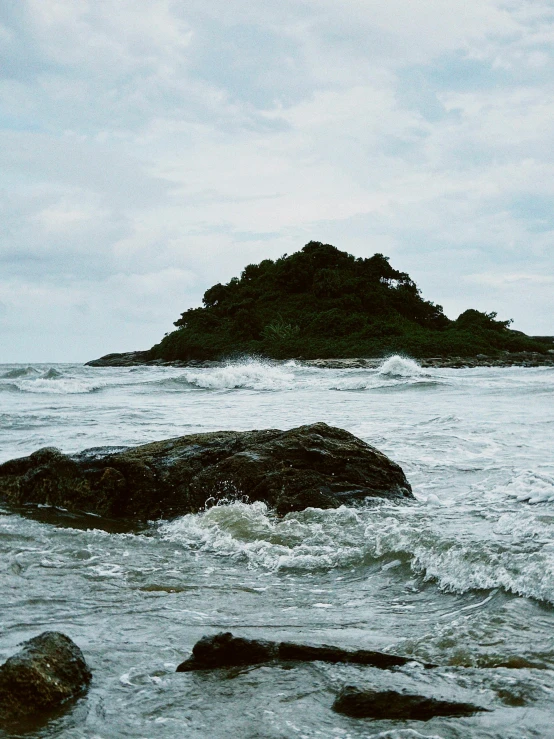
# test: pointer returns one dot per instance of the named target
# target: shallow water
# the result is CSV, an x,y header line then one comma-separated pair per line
x,y
463,578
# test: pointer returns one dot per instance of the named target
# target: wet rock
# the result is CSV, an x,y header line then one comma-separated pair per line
x,y
124,359
305,653
48,671
226,650
316,465
397,705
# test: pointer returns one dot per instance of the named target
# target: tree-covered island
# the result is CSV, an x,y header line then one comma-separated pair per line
x,y
322,302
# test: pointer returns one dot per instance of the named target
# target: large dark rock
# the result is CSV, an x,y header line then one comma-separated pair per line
x,y
318,465
226,650
48,671
397,705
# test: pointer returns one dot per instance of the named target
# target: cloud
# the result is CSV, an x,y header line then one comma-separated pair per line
x,y
151,148
499,280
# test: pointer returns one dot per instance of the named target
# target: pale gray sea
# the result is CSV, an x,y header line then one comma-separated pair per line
x,y
464,577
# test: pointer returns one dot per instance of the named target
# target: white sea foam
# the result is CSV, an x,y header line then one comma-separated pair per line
x,y
315,540
531,487
398,366
59,386
253,374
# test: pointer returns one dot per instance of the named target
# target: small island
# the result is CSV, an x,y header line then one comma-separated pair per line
x,y
322,303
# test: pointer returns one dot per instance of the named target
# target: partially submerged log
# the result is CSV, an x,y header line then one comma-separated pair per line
x,y
310,466
226,650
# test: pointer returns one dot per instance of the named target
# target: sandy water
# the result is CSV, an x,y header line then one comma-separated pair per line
x,y
463,578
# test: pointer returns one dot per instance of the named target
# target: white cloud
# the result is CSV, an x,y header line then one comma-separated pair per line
x,y
151,148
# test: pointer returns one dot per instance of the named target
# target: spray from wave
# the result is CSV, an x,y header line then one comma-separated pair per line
x,y
252,374
397,366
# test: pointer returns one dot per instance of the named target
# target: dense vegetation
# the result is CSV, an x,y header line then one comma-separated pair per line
x,y
322,302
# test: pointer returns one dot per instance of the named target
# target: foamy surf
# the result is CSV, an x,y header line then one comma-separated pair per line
x,y
251,374
460,578
531,487
62,386
264,375
316,540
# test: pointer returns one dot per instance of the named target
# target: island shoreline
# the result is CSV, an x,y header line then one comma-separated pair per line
x,y
508,359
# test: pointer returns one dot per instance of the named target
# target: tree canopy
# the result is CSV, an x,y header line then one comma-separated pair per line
x,y
323,302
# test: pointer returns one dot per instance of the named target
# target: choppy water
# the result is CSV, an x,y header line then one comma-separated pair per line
x,y
463,578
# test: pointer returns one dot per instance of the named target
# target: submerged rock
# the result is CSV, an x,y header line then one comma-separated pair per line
x,y
49,670
226,650
316,465
397,705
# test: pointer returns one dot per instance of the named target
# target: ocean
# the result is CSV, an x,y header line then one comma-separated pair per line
x,y
463,577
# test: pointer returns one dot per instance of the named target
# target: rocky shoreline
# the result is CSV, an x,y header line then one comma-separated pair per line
x,y
507,359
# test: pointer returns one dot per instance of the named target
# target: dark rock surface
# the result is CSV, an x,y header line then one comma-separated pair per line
x,y
505,359
124,359
397,705
226,650
316,465
48,671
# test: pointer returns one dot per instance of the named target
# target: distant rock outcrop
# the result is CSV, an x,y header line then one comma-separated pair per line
x,y
48,671
309,466
123,359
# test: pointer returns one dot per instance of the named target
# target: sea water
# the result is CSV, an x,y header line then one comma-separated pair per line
x,y
463,577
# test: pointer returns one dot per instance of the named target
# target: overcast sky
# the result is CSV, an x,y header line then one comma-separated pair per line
x,y
152,148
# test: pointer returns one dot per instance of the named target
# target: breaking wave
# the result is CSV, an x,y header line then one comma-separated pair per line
x,y
251,374
397,366
52,381
256,374
66,386
531,487
517,557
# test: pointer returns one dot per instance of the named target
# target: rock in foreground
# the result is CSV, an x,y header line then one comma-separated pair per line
x,y
49,670
397,705
226,650
309,466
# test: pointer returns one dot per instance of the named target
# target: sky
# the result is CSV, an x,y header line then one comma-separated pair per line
x,y
151,148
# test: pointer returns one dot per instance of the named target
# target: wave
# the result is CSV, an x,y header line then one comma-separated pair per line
x,y
531,487
377,382
9,387
13,374
398,366
256,374
422,543
52,374
250,374
59,386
